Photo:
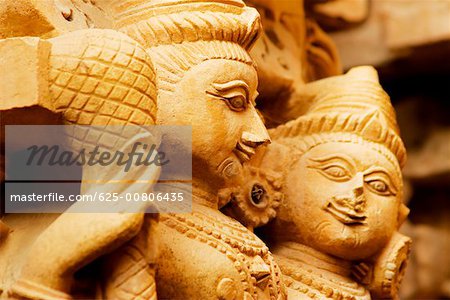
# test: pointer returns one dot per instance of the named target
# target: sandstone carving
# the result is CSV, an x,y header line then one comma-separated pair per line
x,y
86,77
206,78
326,194
203,75
94,77
292,51
335,234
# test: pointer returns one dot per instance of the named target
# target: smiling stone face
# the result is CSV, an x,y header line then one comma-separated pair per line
x,y
348,194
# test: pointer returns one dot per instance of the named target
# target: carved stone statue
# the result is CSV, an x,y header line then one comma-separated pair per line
x,y
330,184
335,234
80,86
206,79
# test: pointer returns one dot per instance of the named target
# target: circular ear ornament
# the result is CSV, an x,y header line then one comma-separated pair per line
x,y
255,200
389,268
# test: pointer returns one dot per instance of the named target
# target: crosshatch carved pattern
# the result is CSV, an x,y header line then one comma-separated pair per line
x,y
102,77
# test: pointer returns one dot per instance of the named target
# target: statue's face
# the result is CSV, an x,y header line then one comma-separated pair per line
x,y
217,98
343,199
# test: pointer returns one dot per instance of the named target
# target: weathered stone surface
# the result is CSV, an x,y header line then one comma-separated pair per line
x,y
24,73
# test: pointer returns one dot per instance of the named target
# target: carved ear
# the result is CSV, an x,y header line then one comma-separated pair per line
x,y
403,213
389,268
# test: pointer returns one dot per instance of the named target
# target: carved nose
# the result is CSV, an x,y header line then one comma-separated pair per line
x,y
246,147
355,201
255,134
357,192
359,200
253,140
343,200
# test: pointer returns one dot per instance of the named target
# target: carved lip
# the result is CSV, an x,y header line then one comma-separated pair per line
x,y
243,152
345,216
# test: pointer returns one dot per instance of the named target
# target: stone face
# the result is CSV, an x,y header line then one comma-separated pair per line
x,y
318,192
341,164
407,41
206,79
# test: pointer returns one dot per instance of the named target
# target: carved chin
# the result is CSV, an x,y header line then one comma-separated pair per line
x,y
230,168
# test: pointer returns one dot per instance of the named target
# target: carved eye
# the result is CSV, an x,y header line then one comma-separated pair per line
x,y
380,187
235,93
336,172
237,103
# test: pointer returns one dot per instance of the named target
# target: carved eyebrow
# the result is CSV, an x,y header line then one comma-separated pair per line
x,y
327,158
376,169
222,87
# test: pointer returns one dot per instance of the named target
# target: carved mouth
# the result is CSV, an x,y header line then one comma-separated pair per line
x,y
345,216
244,152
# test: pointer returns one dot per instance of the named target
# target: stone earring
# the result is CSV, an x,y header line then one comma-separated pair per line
x,y
385,272
256,199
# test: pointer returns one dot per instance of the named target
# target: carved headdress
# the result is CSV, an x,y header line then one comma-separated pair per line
x,y
348,108
166,22
180,34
